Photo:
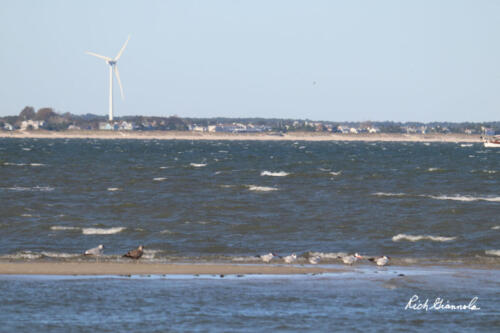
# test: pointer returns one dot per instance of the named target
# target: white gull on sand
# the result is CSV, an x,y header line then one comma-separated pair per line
x,y
350,259
266,257
96,251
291,258
380,261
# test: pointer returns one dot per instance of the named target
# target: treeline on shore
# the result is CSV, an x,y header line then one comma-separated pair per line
x,y
48,119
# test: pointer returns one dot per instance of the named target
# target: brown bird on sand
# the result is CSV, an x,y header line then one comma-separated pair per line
x,y
135,254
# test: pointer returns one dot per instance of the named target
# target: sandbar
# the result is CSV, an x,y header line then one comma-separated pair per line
x,y
189,135
140,268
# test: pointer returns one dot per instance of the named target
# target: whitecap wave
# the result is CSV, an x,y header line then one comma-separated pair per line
x,y
274,174
464,198
388,194
336,173
59,254
466,145
198,165
492,252
149,253
261,188
60,228
159,179
497,227
23,255
31,189
101,231
37,164
435,170
113,189
413,238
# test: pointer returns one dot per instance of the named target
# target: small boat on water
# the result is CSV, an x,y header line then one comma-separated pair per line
x,y
492,142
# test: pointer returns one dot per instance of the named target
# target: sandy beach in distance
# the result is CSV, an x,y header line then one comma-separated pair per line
x,y
292,136
138,268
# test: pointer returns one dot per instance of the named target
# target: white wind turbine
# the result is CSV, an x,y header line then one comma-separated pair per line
x,y
112,68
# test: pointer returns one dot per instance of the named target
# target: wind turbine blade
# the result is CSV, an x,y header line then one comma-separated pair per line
x,y
117,74
122,49
99,56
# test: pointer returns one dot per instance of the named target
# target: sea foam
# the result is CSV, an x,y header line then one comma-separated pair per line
x,y
60,228
261,188
198,165
388,194
32,189
274,174
417,238
465,198
100,231
492,252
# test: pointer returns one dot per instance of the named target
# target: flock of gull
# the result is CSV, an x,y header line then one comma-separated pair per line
x,y
99,251
349,259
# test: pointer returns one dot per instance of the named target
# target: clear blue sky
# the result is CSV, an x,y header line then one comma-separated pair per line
x,y
323,60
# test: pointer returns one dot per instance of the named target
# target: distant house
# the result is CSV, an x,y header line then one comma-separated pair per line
x,y
31,124
126,126
353,130
8,127
74,128
196,128
469,131
344,129
373,130
105,127
230,128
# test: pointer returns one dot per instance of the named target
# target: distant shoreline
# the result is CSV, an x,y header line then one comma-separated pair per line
x,y
292,136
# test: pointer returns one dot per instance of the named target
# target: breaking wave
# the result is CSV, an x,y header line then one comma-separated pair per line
x,y
492,252
32,189
388,194
113,189
60,227
198,165
465,198
159,179
261,188
411,238
101,231
274,174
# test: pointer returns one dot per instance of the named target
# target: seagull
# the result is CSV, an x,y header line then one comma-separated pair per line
x,y
266,257
314,260
96,251
291,258
350,259
135,254
380,261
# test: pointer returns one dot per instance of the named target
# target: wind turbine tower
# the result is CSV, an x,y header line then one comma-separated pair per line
x,y
113,67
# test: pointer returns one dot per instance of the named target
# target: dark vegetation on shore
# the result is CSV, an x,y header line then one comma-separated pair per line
x,y
46,118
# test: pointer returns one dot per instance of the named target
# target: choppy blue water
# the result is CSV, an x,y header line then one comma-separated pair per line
x,y
227,201
222,200
364,301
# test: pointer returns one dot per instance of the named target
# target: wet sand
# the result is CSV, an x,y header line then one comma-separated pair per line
x,y
293,136
139,268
